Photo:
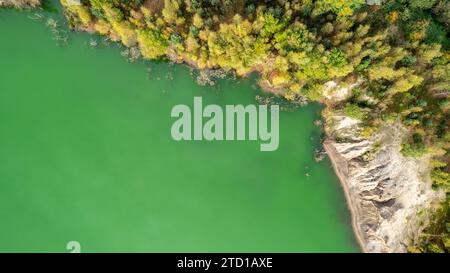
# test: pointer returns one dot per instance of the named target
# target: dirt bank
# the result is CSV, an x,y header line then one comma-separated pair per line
x,y
21,4
385,191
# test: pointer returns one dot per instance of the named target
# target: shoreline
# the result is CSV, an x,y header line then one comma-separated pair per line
x,y
338,166
358,211
265,87
331,152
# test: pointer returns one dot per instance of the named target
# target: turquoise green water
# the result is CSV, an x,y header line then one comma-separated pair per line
x,y
86,155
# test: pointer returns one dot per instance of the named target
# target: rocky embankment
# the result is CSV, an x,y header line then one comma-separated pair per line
x,y
21,4
388,194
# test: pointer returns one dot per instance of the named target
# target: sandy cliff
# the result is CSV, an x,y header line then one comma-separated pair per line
x,y
20,3
387,193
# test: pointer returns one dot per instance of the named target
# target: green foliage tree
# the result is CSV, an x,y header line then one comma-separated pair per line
x,y
152,44
342,8
354,111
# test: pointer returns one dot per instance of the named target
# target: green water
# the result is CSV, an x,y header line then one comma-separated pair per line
x,y
86,155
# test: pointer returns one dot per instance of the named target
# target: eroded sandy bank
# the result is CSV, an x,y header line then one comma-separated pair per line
x,y
388,194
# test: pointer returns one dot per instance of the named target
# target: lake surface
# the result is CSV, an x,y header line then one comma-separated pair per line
x,y
86,155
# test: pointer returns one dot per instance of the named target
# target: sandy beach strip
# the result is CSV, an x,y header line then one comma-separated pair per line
x,y
340,167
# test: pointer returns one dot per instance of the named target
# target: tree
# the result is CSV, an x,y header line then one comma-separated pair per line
x,y
354,111
294,38
170,12
383,72
342,8
405,83
441,179
442,13
152,44
422,4
125,31
428,52
102,27
415,148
